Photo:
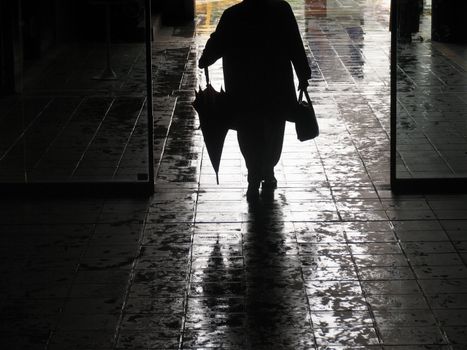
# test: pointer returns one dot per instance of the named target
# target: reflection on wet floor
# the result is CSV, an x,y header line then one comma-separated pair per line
x,y
332,261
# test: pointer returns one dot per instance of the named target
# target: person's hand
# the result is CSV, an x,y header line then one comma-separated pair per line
x,y
302,85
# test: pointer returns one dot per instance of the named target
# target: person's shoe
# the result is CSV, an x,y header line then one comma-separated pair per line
x,y
269,183
252,194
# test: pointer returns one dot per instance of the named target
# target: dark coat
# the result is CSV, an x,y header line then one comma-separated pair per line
x,y
259,40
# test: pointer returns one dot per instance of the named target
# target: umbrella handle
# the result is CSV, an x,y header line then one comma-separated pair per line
x,y
206,73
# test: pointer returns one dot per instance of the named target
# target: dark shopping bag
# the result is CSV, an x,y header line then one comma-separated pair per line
x,y
306,124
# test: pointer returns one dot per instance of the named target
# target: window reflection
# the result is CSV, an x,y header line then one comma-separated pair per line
x,y
431,99
81,113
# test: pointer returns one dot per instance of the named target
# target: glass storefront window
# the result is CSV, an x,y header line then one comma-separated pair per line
x,y
429,94
79,112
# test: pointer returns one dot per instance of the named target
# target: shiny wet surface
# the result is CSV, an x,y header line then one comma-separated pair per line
x,y
332,261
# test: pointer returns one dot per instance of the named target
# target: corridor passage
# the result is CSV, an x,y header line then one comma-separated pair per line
x,y
333,261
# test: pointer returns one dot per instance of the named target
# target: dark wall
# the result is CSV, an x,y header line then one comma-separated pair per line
x,y
449,22
65,21
11,56
177,11
127,20
4,47
38,26
156,6
50,22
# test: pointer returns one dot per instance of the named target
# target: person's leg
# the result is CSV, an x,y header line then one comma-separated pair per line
x,y
260,141
250,139
274,139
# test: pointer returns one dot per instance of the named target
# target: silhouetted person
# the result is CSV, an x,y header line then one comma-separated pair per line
x,y
259,40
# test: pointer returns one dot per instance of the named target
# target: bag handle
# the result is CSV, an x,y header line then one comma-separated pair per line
x,y
206,73
300,96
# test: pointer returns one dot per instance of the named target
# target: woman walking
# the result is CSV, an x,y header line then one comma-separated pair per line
x,y
259,40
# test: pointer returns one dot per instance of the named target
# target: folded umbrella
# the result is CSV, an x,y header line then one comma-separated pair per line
x,y
211,107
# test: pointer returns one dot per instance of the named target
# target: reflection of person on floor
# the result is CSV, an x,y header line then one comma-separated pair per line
x,y
258,40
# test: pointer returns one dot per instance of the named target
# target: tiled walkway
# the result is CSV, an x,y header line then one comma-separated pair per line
x,y
333,261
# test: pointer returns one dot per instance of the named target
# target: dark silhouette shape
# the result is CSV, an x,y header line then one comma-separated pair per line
x,y
275,293
210,104
306,124
258,40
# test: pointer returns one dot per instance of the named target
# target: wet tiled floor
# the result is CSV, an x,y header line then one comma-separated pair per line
x,y
332,261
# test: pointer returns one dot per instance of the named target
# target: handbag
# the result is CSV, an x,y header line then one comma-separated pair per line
x,y
306,124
